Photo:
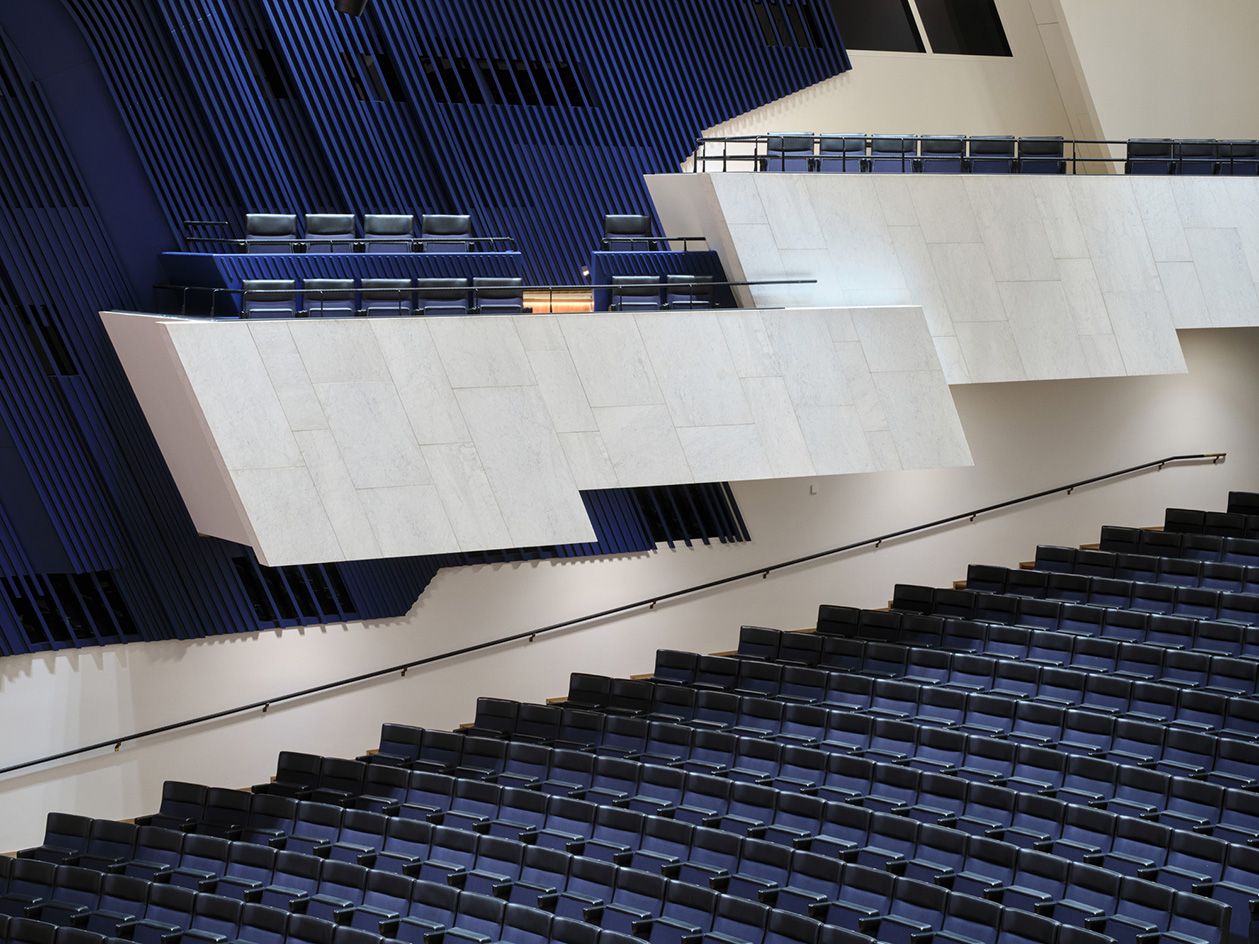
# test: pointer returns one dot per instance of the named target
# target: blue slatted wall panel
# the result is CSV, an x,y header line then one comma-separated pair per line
x,y
119,119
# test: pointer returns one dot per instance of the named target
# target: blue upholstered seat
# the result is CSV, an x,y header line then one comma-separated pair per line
x,y
841,154
330,232
384,232
788,153
893,154
269,298
446,232
270,232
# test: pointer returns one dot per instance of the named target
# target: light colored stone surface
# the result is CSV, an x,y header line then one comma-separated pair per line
x,y
1134,258
460,434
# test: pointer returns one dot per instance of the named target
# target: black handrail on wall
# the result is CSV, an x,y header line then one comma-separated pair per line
x,y
647,602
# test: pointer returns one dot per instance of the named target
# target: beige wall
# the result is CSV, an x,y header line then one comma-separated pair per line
x,y
1157,68
901,93
1025,437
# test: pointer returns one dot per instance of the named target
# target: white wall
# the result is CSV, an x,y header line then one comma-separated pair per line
x,y
919,93
1159,68
1025,436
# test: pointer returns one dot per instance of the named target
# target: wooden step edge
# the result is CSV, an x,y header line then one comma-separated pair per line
x,y
557,701
1090,547
466,725
1027,565
642,676
959,584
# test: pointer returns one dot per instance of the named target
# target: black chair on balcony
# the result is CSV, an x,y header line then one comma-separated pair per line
x,y
329,232
270,233
269,298
329,298
842,154
446,232
1239,158
1150,157
1197,158
893,153
388,232
498,296
992,155
620,230
1041,156
788,153
942,154
688,291
635,293
386,297
441,296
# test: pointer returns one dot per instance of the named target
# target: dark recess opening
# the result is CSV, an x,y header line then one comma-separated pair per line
x,y
882,25
964,27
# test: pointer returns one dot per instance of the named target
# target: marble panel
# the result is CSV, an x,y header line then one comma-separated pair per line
x,y
513,434
588,458
481,351
409,520
922,419
373,434
338,497
421,381
778,426
1044,331
249,425
990,352
1224,274
1184,294
733,453
561,390
465,494
966,278
611,361
694,368
286,516
288,375
339,350
643,445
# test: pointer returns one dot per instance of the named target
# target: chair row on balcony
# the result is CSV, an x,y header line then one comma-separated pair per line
x,y
956,154
341,298
651,293
339,233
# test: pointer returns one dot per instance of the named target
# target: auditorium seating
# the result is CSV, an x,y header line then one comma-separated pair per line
x,y
388,232
1065,752
338,298
643,292
628,232
635,293
984,154
446,232
272,233
336,228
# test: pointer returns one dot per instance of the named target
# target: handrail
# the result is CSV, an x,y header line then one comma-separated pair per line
x,y
701,285
1229,154
357,244
649,603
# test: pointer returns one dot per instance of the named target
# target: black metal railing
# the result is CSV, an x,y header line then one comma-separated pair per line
x,y
916,153
645,603
236,245
611,241
214,293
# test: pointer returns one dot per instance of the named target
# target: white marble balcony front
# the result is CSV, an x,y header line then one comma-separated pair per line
x,y
1020,277
348,439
